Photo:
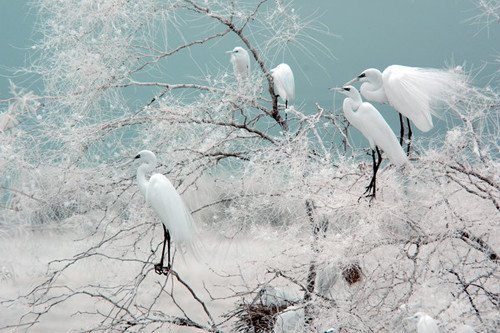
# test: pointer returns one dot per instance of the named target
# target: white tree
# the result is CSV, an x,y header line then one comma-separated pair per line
x,y
428,242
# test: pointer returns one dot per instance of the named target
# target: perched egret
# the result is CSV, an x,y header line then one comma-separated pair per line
x,y
425,323
284,84
161,195
416,93
290,320
372,125
241,63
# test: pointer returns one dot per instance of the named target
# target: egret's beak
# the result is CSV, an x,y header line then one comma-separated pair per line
x,y
409,318
356,79
229,52
337,89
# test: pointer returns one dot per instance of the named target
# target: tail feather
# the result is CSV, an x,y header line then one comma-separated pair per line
x,y
443,87
419,93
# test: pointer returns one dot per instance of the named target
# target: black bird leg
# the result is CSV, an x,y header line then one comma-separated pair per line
x,y
401,130
167,235
372,181
409,137
379,154
371,189
159,269
286,104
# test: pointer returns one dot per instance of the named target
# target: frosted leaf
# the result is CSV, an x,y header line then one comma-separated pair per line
x,y
454,137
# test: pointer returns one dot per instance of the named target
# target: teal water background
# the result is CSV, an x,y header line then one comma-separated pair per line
x,y
425,33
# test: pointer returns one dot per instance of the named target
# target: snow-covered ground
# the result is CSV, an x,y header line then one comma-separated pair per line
x,y
25,255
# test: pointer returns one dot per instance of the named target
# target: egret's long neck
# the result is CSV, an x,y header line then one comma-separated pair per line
x,y
350,105
373,89
142,181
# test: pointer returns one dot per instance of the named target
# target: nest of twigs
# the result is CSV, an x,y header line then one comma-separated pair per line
x,y
256,317
352,273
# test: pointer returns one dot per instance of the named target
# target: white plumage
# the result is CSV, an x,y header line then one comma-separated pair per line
x,y
425,323
241,63
372,125
290,320
284,84
167,203
161,195
416,93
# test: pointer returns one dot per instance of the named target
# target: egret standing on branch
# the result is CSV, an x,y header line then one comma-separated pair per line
x,y
373,126
416,93
161,195
284,84
425,323
241,63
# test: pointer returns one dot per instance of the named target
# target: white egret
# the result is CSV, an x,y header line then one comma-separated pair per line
x,y
241,63
373,126
416,93
161,195
284,84
290,320
425,323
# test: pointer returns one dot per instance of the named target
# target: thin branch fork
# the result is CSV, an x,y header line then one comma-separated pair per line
x,y
465,287
239,31
312,272
477,243
191,291
462,234
231,124
181,47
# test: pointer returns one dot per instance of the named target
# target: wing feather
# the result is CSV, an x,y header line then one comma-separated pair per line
x,y
376,130
418,93
284,83
288,82
167,203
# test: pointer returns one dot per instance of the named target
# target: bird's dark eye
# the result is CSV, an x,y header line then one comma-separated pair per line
x,y
347,89
138,156
362,75
236,51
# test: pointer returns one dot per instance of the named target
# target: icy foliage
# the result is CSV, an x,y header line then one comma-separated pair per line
x,y
247,169
489,12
